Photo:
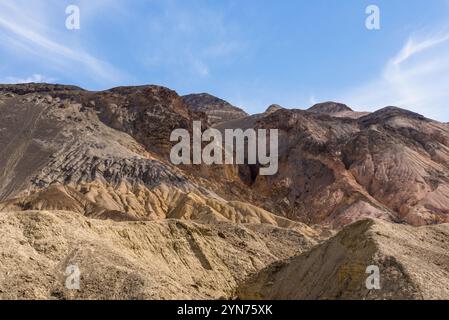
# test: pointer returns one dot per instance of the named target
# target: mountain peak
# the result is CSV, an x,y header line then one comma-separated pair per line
x,y
217,110
273,108
388,113
26,88
330,108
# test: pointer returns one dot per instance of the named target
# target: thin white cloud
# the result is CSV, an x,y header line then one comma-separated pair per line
x,y
36,78
177,29
223,49
200,67
416,78
312,100
413,47
25,28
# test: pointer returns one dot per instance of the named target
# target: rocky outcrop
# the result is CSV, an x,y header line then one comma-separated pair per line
x,y
273,108
329,108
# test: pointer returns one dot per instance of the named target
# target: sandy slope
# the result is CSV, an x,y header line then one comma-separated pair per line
x,y
413,264
169,259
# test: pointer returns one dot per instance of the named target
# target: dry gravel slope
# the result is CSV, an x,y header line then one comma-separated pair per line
x,y
168,259
413,264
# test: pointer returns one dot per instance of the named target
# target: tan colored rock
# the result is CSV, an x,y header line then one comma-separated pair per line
x,y
413,264
133,260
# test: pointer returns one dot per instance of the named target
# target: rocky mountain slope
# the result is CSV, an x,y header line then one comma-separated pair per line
x,y
113,147
390,164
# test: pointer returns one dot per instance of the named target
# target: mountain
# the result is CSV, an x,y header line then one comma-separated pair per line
x,y
273,108
336,110
86,178
330,108
109,151
216,109
390,164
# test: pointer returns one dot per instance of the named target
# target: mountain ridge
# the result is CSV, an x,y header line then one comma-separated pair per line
x,y
121,135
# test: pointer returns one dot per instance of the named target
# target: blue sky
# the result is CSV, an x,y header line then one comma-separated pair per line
x,y
250,52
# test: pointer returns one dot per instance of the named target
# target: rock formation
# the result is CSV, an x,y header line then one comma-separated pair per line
x,y
85,178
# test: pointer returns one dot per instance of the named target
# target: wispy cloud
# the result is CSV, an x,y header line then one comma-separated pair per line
x,y
37,78
312,100
416,78
190,39
413,47
27,29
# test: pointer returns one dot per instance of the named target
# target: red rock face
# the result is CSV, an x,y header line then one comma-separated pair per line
x,y
392,164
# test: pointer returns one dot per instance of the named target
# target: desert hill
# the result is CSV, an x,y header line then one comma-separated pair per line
x,y
413,264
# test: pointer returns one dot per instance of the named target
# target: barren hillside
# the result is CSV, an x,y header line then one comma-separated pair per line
x,y
413,264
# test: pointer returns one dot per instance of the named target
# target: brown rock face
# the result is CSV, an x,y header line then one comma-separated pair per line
x,y
330,108
70,137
